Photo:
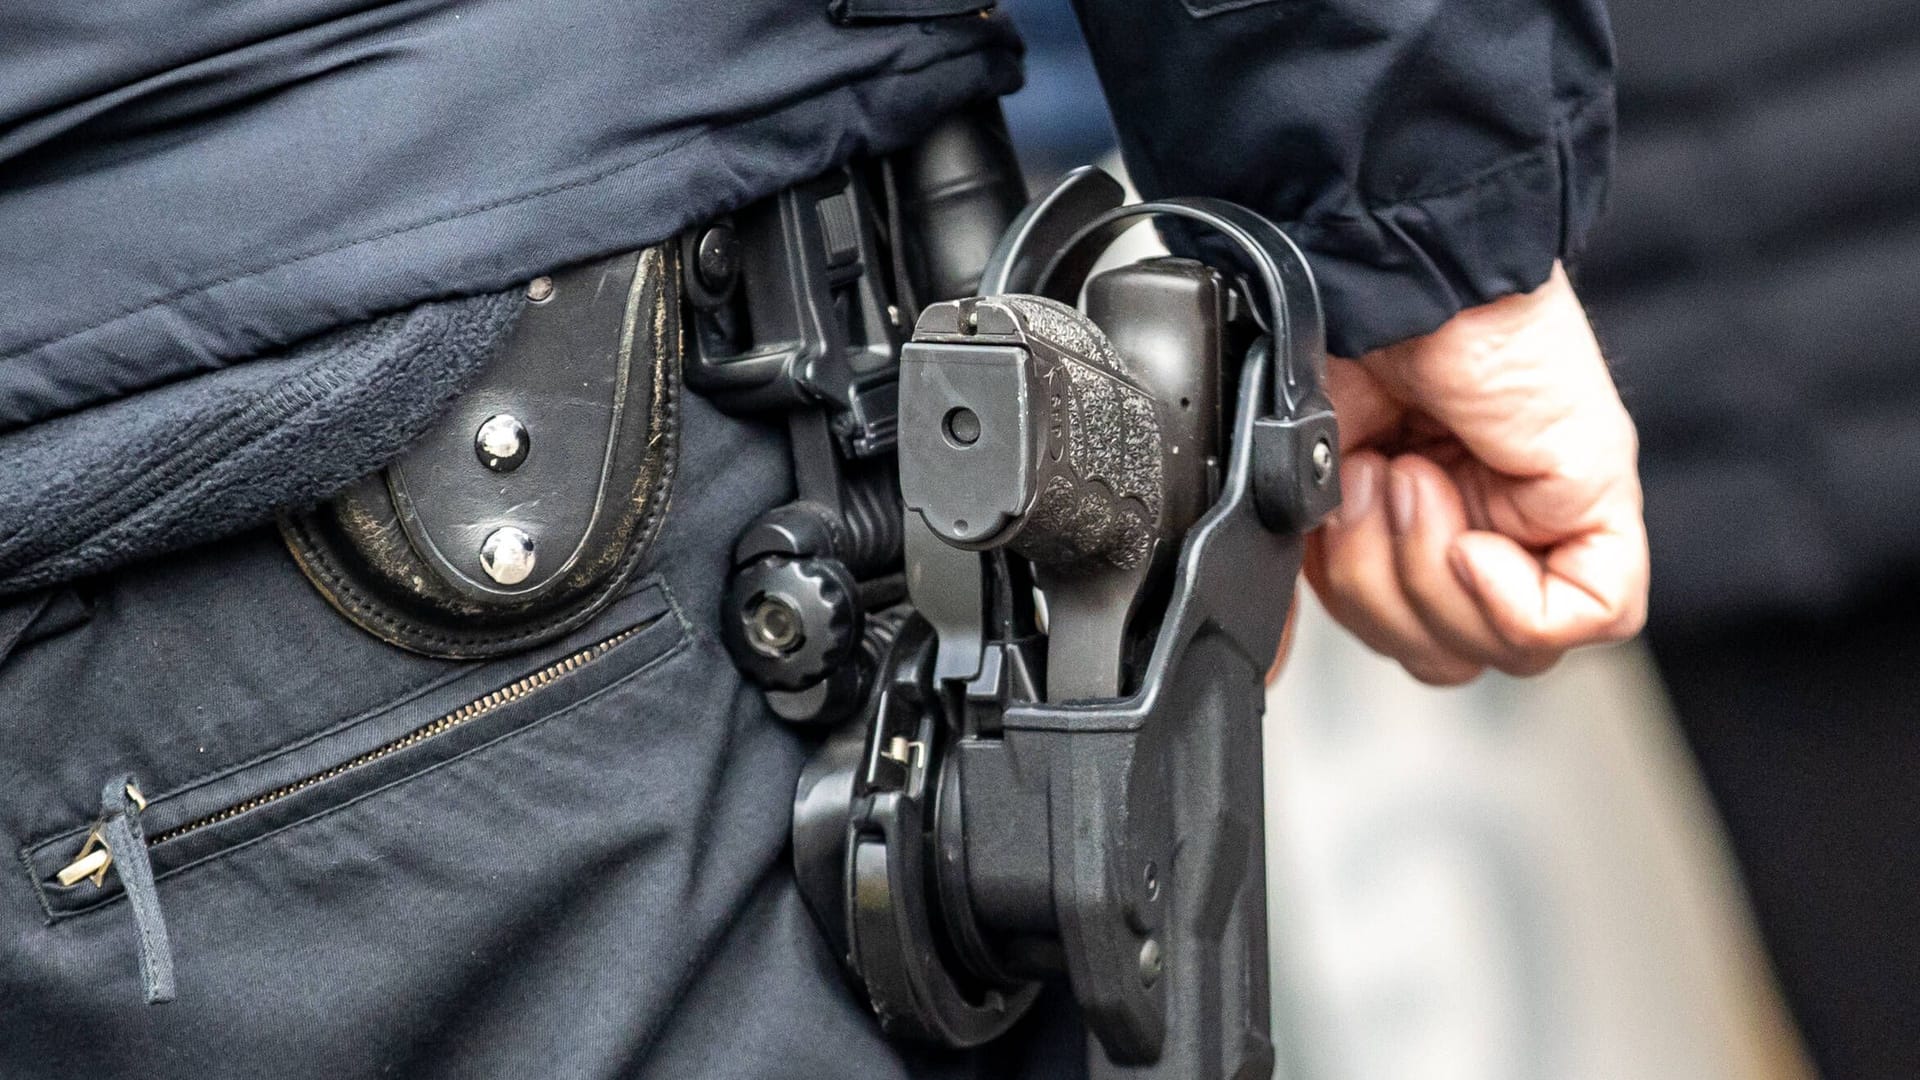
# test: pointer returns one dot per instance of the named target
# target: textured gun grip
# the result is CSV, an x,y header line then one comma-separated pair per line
x,y
1099,493
1066,469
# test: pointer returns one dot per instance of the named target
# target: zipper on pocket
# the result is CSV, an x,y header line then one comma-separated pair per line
x,y
94,858
471,711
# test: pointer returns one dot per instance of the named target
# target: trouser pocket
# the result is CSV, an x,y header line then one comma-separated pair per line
x,y
184,830
363,756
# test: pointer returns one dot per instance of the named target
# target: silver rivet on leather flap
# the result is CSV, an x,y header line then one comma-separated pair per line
x,y
588,388
507,555
502,442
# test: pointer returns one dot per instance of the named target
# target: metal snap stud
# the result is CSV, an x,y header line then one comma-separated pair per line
x,y
502,442
507,555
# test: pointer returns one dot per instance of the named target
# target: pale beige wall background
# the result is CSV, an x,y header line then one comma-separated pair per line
x,y
1516,880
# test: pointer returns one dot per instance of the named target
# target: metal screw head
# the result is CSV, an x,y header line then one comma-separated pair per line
x,y
773,626
1152,962
540,289
1322,461
507,555
502,442
717,258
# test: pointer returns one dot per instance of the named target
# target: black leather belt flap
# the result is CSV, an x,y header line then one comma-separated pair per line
x,y
530,505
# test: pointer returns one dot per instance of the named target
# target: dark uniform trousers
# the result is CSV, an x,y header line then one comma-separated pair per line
x,y
577,871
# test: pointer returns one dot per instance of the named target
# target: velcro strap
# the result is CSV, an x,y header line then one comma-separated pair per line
x,y
870,11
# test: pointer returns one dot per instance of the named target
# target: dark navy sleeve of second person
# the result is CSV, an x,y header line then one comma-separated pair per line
x,y
1429,155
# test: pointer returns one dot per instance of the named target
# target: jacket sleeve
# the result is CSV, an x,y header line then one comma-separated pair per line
x,y
1429,155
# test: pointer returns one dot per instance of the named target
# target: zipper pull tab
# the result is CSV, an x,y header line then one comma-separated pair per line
x,y
95,856
92,862
118,833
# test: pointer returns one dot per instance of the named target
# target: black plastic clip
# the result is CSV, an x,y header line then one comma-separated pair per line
x,y
1296,472
821,332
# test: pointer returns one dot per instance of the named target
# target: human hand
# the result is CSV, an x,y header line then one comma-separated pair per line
x,y
1492,513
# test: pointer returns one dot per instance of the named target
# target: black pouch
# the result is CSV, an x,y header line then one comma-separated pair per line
x,y
534,501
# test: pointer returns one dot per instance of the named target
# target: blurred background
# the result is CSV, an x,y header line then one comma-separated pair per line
x,y
1695,857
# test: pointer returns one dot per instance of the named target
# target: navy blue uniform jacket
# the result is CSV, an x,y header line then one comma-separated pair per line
x,y
189,185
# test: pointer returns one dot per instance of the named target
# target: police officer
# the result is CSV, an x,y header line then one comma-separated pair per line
x,y
346,812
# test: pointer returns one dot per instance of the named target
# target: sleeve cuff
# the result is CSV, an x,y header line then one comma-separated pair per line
x,y
1391,272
